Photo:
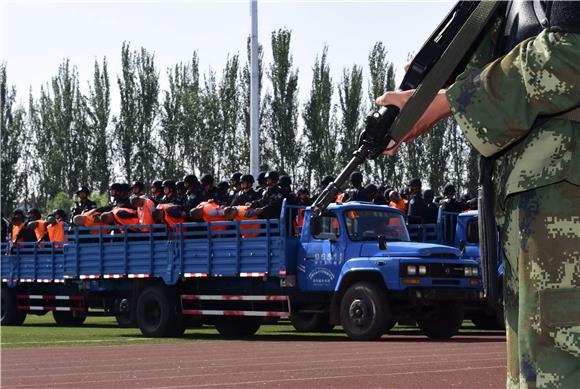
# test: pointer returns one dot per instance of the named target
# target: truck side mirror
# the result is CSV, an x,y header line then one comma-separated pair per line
x,y
382,242
315,226
462,245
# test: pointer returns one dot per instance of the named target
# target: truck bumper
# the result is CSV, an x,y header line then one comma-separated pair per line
x,y
439,294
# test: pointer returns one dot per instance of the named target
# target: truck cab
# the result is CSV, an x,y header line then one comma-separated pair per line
x,y
360,257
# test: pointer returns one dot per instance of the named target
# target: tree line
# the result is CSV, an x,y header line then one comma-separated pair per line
x,y
69,135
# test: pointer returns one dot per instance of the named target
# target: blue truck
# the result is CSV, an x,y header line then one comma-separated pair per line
x,y
353,266
461,230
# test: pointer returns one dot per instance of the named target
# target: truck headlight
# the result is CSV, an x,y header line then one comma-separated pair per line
x,y
422,270
411,270
467,271
475,271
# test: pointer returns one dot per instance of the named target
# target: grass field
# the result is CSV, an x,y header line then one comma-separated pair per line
x,y
41,331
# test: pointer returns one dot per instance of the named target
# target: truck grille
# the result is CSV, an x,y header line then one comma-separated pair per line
x,y
441,270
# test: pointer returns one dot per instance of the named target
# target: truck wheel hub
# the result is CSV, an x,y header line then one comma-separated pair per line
x,y
359,312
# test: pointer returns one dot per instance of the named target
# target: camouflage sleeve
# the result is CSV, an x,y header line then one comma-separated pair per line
x,y
497,105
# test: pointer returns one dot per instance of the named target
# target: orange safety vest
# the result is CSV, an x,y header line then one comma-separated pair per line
x,y
90,222
56,233
243,214
171,220
299,220
15,231
400,205
145,214
125,216
213,212
40,229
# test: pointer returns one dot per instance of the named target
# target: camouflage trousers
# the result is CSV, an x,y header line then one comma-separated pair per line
x,y
541,241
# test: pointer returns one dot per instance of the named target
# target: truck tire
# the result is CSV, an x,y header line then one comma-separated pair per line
x,y
311,322
237,326
445,322
69,318
9,314
156,314
364,311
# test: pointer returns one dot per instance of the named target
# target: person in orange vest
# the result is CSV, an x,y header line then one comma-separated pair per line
x,y
37,224
55,227
169,214
90,218
145,208
209,211
243,213
18,230
121,217
397,201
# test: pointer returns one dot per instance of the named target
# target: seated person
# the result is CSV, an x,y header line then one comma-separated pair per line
x,y
169,214
145,208
209,211
242,213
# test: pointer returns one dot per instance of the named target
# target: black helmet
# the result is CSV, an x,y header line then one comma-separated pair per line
x,y
262,178
180,186
428,195
272,175
116,186
248,178
356,178
138,184
371,188
285,181
84,189
223,186
34,213
157,184
190,179
303,191
415,182
60,213
124,187
448,190
206,179
326,180
169,184
235,178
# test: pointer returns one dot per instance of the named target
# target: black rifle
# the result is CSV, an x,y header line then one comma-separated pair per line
x,y
439,61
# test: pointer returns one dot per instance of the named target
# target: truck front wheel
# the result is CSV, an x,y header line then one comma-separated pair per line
x,y
364,311
156,314
444,322
9,313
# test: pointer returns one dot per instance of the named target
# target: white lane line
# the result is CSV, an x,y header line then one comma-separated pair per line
x,y
157,377
73,341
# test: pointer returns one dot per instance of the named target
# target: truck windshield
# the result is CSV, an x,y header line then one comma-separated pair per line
x,y
365,224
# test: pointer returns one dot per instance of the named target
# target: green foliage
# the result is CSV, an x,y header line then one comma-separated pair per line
x,y
13,133
61,200
320,142
350,94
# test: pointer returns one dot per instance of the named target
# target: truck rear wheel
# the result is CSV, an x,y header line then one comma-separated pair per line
x,y
311,322
445,322
364,311
157,315
69,318
237,326
9,313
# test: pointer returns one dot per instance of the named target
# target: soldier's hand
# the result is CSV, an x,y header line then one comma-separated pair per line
x,y
437,110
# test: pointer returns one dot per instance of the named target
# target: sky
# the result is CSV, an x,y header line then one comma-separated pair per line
x,y
36,36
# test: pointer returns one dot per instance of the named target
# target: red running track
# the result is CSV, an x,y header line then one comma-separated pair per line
x,y
394,362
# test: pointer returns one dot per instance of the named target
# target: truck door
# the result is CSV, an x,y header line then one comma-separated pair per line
x,y
323,255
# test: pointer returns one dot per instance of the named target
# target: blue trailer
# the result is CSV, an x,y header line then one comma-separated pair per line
x,y
354,266
461,230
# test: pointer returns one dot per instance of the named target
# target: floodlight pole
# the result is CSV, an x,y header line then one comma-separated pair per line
x,y
254,95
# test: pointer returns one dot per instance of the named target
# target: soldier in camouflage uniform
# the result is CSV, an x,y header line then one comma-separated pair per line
x,y
537,179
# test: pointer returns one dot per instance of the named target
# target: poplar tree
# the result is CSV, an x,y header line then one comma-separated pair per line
x,y
282,115
13,134
230,101
350,94
320,139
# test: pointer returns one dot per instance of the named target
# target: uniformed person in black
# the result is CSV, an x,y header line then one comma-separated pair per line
x,y
270,205
449,203
208,191
169,193
137,188
261,183
416,209
156,191
192,192
431,209
235,184
247,194
84,204
356,192
223,193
